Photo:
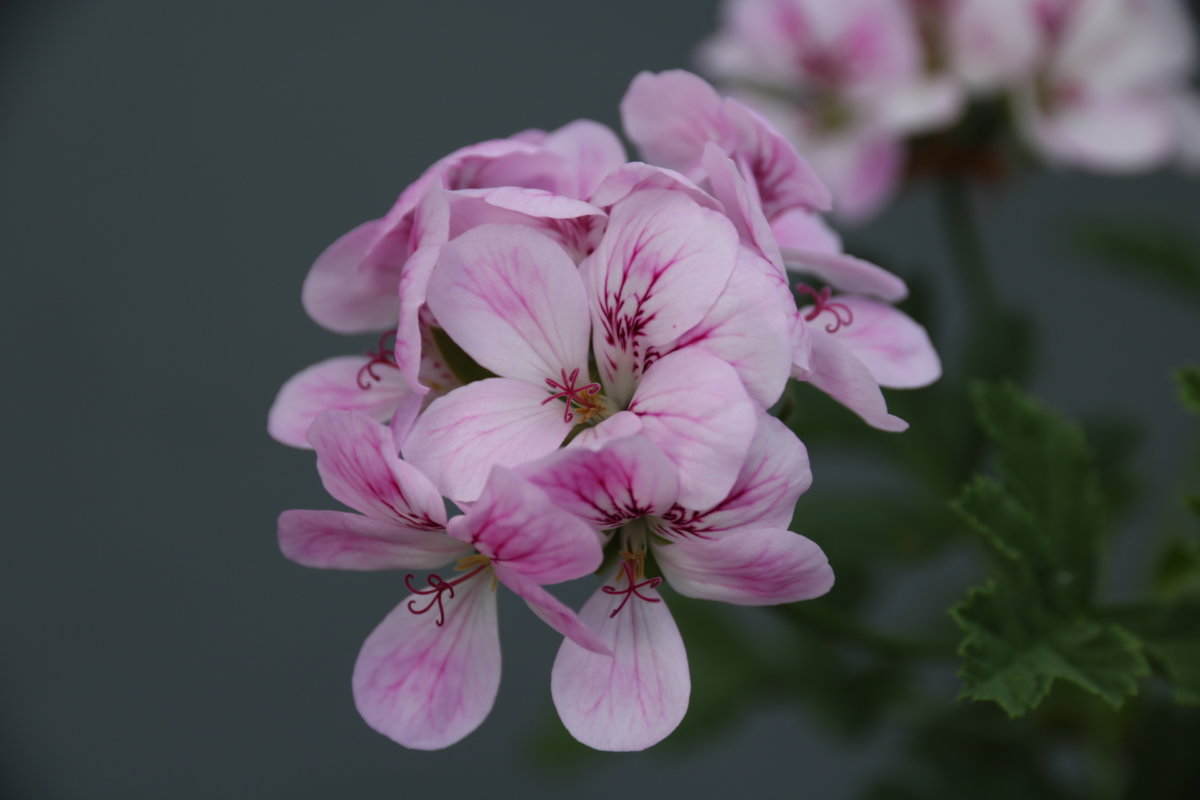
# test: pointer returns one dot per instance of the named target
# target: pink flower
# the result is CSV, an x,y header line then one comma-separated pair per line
x,y
738,551
845,81
427,675
515,302
1101,84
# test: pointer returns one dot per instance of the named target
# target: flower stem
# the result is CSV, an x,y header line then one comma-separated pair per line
x,y
966,244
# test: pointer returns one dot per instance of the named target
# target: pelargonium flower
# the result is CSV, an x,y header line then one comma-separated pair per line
x,y
1101,84
518,305
372,278
846,81
847,345
428,674
739,551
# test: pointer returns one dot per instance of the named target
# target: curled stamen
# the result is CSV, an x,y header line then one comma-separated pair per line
x,y
384,354
632,588
842,315
580,398
439,586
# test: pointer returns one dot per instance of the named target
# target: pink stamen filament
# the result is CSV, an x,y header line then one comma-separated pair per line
x,y
842,315
384,354
632,588
437,586
580,398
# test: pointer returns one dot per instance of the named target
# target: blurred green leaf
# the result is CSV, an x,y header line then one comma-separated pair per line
x,y
1044,519
1177,572
1047,505
1015,650
1188,379
1147,251
1172,638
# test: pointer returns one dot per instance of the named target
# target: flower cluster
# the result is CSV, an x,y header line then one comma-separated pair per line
x,y
1099,84
579,354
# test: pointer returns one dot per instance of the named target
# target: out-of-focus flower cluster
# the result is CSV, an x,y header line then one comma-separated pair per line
x,y
1096,84
577,356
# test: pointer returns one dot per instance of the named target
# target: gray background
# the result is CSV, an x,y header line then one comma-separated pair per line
x,y
167,173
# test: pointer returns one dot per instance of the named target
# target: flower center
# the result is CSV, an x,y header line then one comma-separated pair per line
x,y
384,355
438,585
822,303
634,580
583,398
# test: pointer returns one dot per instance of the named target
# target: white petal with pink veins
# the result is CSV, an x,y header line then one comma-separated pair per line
x,y
337,540
427,686
515,524
513,300
623,480
636,697
889,343
497,421
669,116
618,426
741,205
409,349
750,328
660,267
748,567
333,383
773,476
782,178
636,176
591,150
345,295
847,273
551,610
356,458
692,405
843,377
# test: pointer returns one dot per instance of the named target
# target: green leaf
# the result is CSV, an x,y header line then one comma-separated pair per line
x,y
1172,638
1049,509
1146,251
1014,651
1177,572
1188,379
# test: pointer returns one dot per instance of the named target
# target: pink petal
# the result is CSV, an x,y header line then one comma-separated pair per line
x,y
843,377
693,407
356,458
636,176
337,540
669,116
333,383
747,567
551,610
618,426
513,300
750,328
1121,134
847,273
660,267
799,229
515,524
427,686
344,294
623,480
590,150
498,421
634,698
773,476
409,350
895,349
742,206
782,177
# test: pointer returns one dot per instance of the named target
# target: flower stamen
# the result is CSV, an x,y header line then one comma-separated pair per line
x,y
439,585
384,355
579,398
842,315
632,573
